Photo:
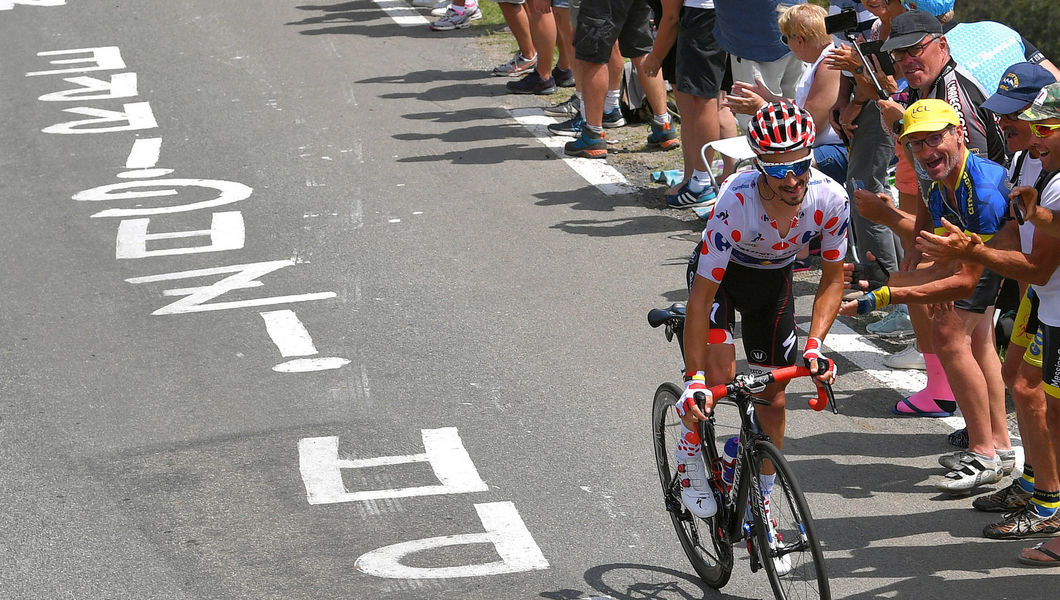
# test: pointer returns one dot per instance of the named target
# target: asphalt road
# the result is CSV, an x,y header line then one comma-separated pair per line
x,y
253,248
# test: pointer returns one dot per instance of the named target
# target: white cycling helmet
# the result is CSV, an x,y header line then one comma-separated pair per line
x,y
780,127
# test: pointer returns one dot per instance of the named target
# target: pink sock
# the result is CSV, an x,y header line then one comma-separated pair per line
x,y
937,383
936,395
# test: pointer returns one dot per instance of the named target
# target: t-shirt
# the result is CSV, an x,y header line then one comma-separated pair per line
x,y
981,198
749,29
740,231
1049,294
1028,174
825,133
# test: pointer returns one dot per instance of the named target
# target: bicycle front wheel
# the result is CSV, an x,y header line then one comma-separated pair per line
x,y
786,538
711,556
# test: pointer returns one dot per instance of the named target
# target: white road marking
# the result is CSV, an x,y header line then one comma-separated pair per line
x,y
144,153
597,172
9,4
504,529
402,13
309,365
288,333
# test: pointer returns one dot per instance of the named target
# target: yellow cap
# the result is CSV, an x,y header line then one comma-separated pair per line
x,y
929,115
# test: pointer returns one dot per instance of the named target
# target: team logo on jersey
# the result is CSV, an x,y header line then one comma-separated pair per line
x,y
758,356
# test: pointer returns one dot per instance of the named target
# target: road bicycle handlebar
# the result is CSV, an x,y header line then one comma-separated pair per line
x,y
751,384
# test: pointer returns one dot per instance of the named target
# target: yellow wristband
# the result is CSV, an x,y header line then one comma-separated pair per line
x,y
882,296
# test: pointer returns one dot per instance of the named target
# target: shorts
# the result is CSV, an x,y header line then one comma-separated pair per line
x,y
601,22
510,1
764,299
985,294
574,6
561,4
1047,344
1026,323
905,176
701,62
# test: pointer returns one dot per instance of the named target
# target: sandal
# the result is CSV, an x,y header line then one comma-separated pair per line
x,y
929,408
1054,558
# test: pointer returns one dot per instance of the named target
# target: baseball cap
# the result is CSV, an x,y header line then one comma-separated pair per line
x,y
935,7
1019,86
928,115
1046,105
909,28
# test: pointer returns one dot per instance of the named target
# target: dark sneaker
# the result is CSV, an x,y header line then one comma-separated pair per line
x,y
1023,523
974,470
563,77
686,198
533,84
572,127
614,118
517,66
663,136
588,145
452,20
1014,497
567,108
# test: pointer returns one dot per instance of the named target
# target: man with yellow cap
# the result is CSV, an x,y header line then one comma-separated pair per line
x,y
972,193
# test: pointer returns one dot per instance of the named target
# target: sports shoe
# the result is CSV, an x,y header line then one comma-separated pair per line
x,y
1023,523
515,67
663,136
568,108
443,5
533,84
453,20
1008,499
908,358
563,77
588,145
696,494
686,198
959,438
572,127
614,118
1007,457
974,470
895,324
776,542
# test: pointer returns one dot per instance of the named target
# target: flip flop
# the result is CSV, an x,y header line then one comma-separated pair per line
x,y
906,408
1054,558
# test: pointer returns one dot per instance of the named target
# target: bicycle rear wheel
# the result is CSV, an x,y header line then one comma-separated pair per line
x,y
711,556
788,547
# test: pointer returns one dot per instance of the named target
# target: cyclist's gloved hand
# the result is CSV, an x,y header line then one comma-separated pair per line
x,y
874,300
872,273
694,382
824,364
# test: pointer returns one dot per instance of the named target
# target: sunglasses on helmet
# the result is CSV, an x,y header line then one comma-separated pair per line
x,y
781,170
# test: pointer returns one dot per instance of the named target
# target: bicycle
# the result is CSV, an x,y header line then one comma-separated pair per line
x,y
784,539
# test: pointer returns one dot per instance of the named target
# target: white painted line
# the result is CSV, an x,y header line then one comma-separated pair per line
x,y
144,153
309,365
288,333
597,172
402,13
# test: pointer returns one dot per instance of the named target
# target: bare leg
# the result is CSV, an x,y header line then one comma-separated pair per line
x,y
543,34
952,333
564,37
518,21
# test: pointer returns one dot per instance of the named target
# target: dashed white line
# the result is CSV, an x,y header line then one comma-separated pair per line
x,y
401,13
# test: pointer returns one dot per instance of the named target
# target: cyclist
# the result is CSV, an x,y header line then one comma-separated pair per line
x,y
744,262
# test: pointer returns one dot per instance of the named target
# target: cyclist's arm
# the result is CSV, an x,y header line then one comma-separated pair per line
x,y
697,322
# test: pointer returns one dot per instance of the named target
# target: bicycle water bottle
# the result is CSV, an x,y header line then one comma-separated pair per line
x,y
728,460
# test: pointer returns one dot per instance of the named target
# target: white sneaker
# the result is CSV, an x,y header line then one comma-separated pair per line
x,y
452,20
782,563
973,470
442,7
695,491
908,358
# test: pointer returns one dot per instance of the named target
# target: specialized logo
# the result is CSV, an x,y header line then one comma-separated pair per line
x,y
789,344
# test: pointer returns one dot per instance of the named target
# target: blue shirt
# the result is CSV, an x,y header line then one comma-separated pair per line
x,y
748,28
987,49
981,198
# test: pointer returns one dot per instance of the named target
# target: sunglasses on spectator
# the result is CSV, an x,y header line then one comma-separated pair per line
x,y
781,170
899,54
1042,131
931,141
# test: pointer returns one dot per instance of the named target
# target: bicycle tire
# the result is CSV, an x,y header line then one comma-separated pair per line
x,y
797,544
712,560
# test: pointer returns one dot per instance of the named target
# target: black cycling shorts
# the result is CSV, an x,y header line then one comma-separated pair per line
x,y
985,294
767,310
601,22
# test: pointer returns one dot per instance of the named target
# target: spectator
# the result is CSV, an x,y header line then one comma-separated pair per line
x,y
700,69
1031,500
749,32
962,332
600,24
543,36
457,15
